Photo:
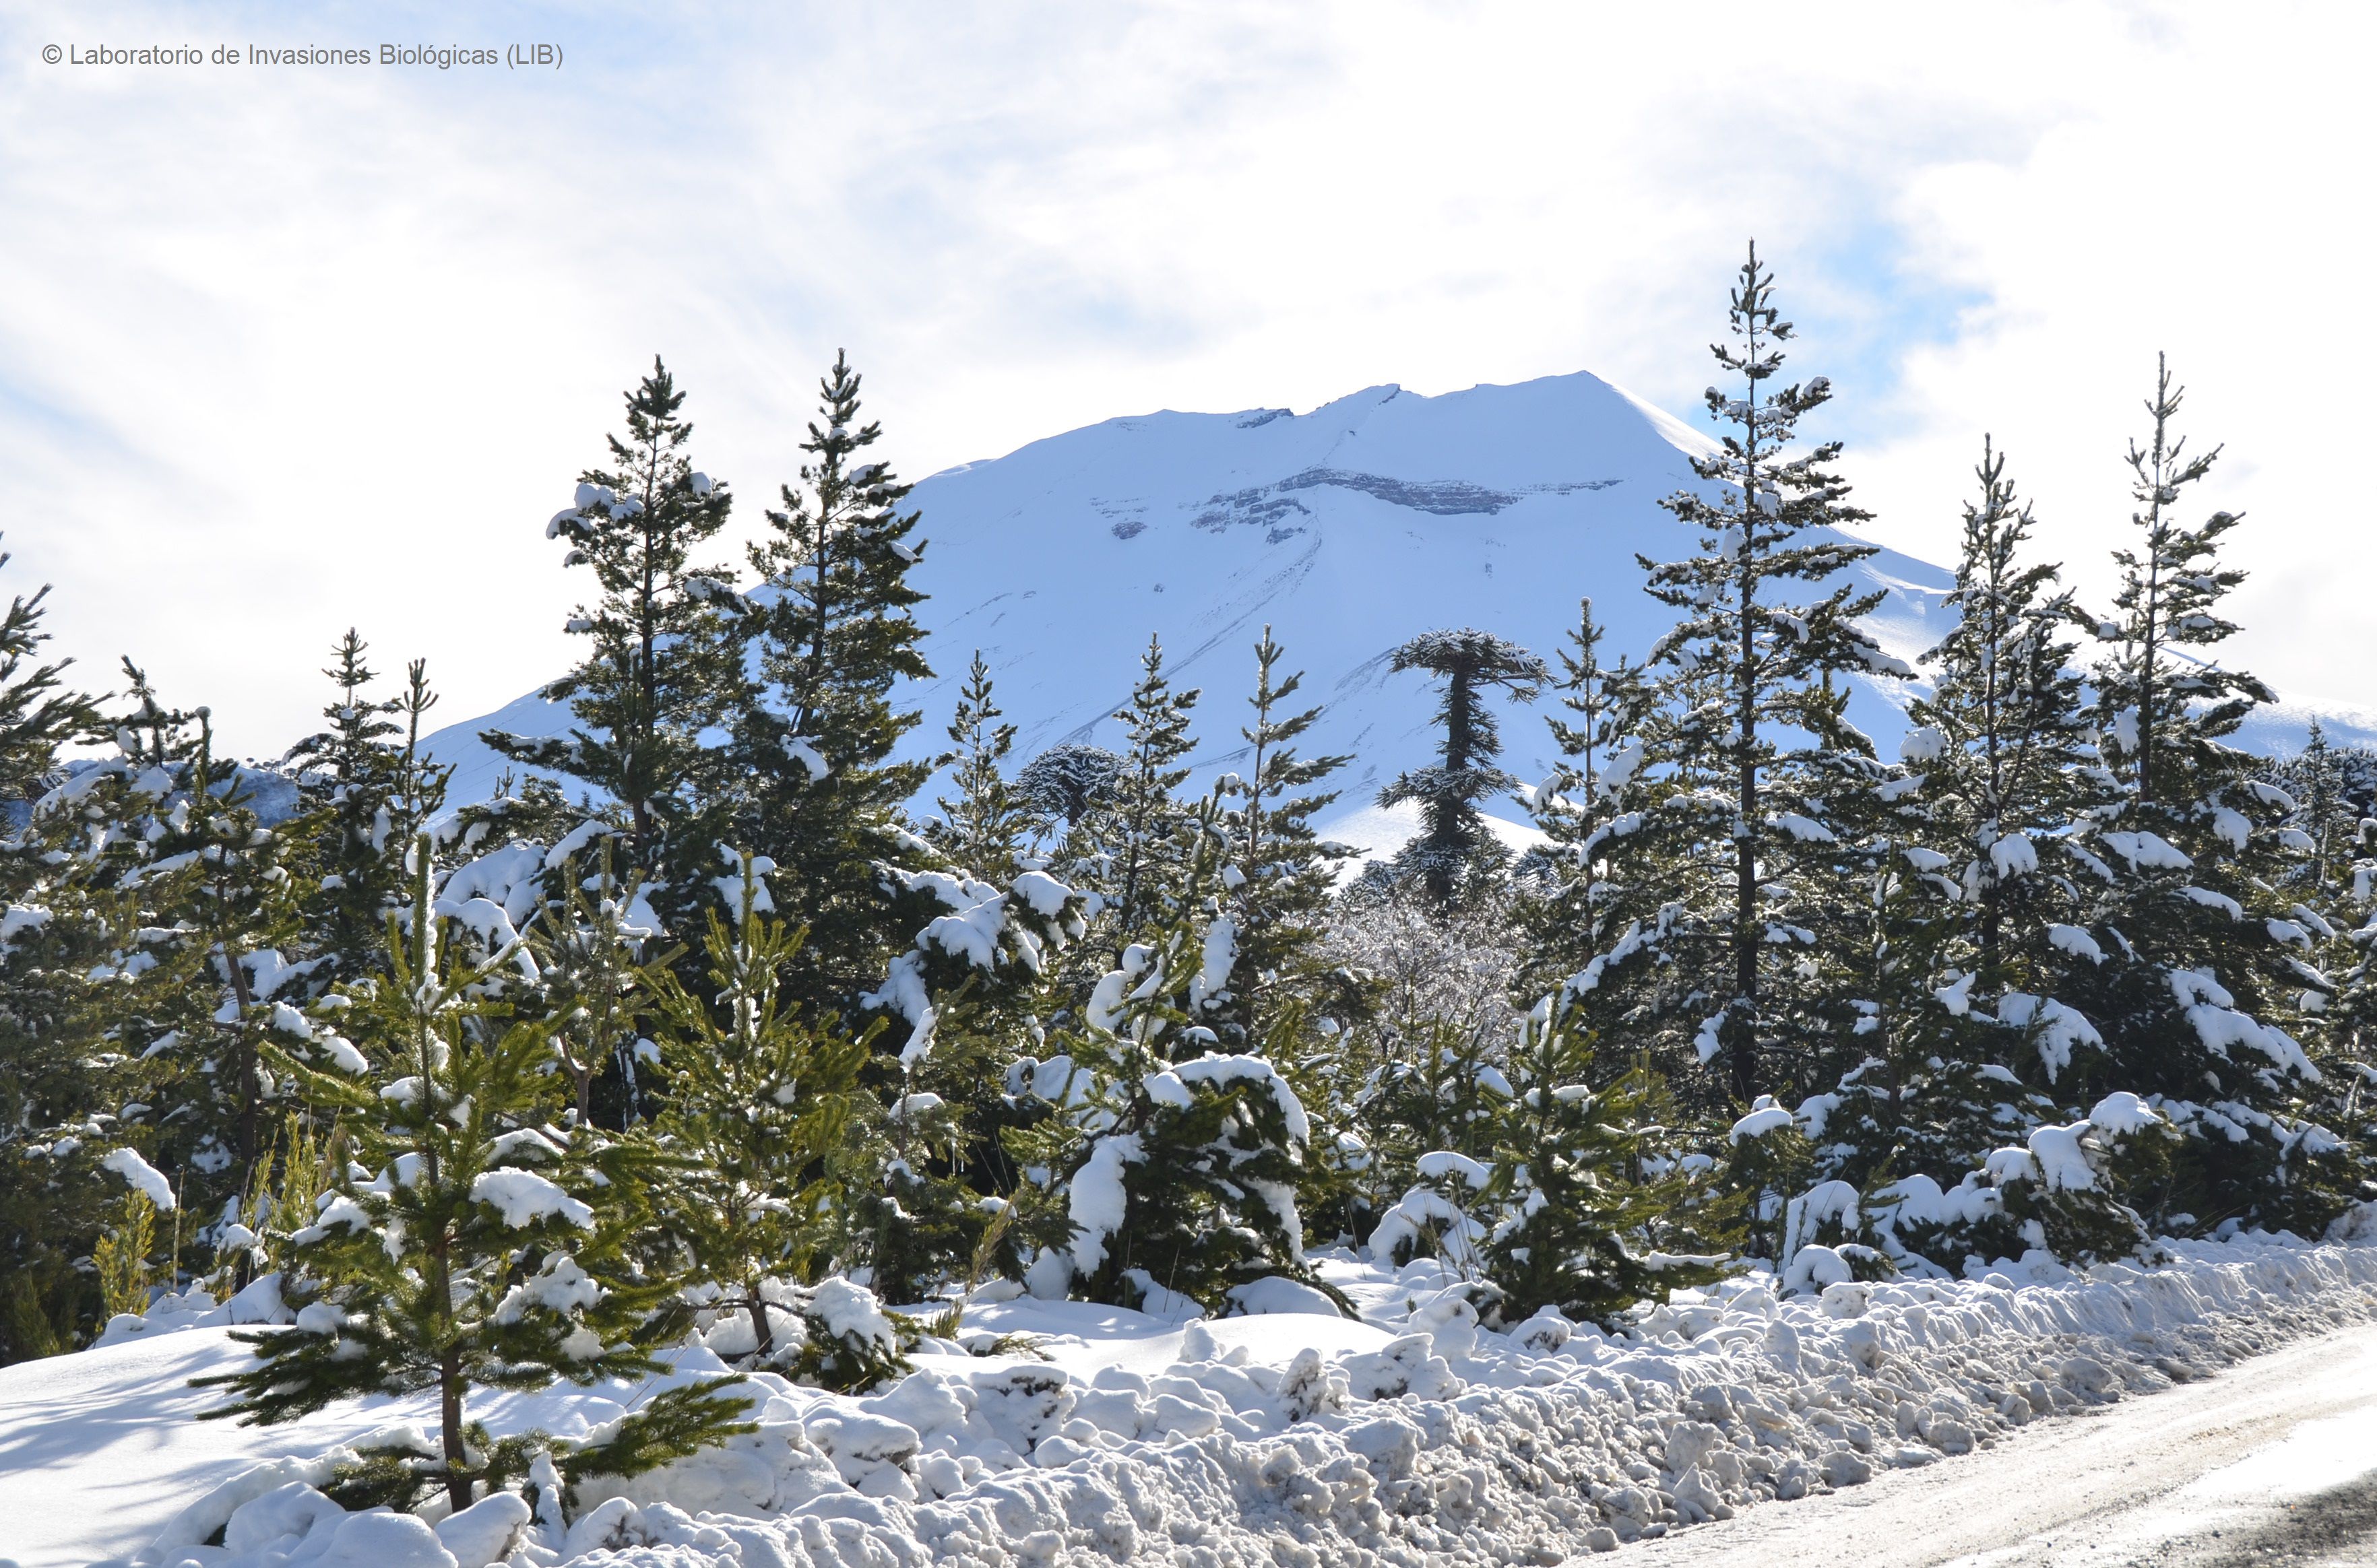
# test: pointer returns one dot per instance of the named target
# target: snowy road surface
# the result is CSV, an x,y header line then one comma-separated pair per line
x,y
2273,1462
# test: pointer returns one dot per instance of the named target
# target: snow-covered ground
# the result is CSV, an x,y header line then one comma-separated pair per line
x,y
1295,1438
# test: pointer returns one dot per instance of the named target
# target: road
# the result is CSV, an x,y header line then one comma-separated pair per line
x,y
2271,1463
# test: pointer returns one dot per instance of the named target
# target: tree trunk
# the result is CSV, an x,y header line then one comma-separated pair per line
x,y
449,1420
766,1339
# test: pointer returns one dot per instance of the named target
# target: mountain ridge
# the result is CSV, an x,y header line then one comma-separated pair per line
x,y
1348,530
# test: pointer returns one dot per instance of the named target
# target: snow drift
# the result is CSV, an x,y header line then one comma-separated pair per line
x,y
1412,1435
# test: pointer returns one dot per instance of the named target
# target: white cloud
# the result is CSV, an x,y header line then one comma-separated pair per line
x,y
281,352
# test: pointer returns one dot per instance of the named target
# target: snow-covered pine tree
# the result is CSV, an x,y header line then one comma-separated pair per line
x,y
1747,681
1135,853
822,797
663,664
2000,744
471,1242
1947,964
204,914
985,828
757,1114
2351,952
2327,815
50,1074
365,781
2199,992
1177,1167
1564,909
1278,875
596,960
2333,831
1454,846
928,1172
38,712
1572,1200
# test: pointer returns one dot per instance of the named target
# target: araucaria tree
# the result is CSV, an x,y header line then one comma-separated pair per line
x,y
1455,844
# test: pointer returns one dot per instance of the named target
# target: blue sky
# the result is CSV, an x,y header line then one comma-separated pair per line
x,y
280,350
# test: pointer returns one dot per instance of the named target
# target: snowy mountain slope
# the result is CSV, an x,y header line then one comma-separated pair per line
x,y
1347,529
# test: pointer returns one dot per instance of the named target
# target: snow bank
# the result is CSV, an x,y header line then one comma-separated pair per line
x,y
1412,1436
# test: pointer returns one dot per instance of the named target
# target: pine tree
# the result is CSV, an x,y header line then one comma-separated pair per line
x,y
52,1075
206,911
2198,990
367,781
1455,844
664,661
1959,939
470,1243
2165,711
985,828
1569,1203
2326,814
38,713
1566,911
1746,670
2001,741
1140,847
1176,1166
822,796
597,957
757,1114
1279,877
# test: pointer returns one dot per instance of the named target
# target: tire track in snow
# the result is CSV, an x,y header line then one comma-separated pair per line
x,y
2271,1462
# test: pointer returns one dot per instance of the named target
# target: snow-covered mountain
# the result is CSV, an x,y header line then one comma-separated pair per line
x,y
1347,529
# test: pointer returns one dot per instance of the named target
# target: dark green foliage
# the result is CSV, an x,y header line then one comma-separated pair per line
x,y
663,662
1747,683
848,1343
1279,877
817,792
985,828
1135,852
668,1426
1589,1215
365,783
471,1241
2204,995
1567,902
56,1072
598,969
38,713
1177,1165
759,1111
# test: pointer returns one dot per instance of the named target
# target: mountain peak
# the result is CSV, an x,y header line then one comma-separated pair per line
x,y
1348,530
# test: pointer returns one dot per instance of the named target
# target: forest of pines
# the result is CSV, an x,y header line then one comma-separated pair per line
x,y
701,1026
